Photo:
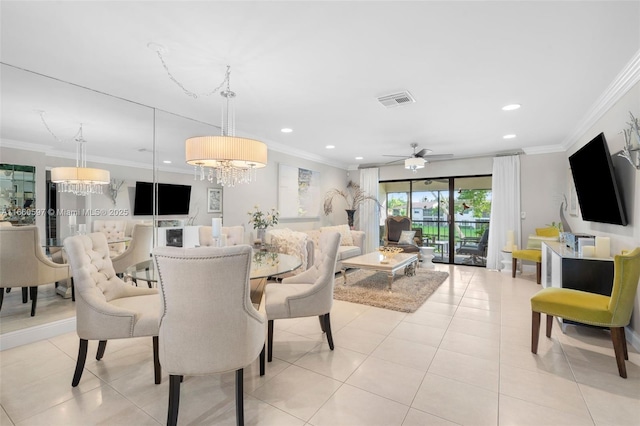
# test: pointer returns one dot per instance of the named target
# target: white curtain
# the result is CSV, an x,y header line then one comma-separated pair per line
x,y
505,207
369,214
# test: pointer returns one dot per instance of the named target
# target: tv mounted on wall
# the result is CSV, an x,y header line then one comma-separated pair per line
x,y
172,199
596,187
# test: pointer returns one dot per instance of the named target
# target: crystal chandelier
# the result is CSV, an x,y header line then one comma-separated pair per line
x,y
414,163
231,159
78,180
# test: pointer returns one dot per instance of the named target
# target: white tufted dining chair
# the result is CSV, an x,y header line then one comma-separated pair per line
x,y
107,307
139,248
307,294
112,229
235,235
207,322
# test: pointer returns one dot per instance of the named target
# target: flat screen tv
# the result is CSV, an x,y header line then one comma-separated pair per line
x,y
596,187
172,199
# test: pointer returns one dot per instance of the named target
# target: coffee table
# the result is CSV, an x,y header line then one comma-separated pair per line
x,y
374,261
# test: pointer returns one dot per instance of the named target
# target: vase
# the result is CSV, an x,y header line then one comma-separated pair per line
x,y
350,214
261,234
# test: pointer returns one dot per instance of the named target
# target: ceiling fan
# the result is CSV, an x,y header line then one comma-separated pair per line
x,y
418,159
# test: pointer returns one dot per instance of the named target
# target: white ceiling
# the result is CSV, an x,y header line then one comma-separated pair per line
x,y
316,67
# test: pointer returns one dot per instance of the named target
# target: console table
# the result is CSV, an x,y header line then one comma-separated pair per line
x,y
563,267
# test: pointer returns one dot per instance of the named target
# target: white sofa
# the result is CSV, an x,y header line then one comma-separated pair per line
x,y
304,244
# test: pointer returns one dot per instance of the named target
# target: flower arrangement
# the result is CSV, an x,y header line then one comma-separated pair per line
x,y
263,220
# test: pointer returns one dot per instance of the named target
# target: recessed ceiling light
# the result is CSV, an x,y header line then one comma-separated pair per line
x,y
359,158
167,161
330,146
511,107
509,136
286,130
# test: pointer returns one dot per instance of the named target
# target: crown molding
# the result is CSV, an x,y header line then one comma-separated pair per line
x,y
624,81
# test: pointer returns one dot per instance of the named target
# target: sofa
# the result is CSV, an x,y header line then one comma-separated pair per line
x,y
304,243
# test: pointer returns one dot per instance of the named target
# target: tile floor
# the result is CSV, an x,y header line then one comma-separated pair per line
x,y
462,358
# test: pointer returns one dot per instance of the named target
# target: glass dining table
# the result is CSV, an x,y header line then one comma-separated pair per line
x,y
263,265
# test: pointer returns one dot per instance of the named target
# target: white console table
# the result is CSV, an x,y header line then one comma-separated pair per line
x,y
563,267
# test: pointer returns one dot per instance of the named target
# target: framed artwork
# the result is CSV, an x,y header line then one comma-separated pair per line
x,y
214,200
573,201
298,192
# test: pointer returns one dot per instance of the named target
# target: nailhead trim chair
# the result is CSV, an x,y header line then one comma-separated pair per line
x,y
207,323
612,311
307,294
106,306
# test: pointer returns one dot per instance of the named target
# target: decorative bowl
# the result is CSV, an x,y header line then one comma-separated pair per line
x,y
388,253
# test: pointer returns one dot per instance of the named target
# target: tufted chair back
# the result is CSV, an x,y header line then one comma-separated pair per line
x,y
99,292
112,229
235,235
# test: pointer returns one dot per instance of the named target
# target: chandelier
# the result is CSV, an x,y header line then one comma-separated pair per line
x,y
79,180
414,163
231,159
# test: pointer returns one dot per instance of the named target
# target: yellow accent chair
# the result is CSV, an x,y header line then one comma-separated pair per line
x,y
533,252
612,311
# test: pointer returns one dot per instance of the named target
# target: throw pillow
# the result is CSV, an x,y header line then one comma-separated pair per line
x,y
406,237
345,233
548,232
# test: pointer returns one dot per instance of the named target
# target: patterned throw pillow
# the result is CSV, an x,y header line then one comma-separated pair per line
x,y
345,234
406,237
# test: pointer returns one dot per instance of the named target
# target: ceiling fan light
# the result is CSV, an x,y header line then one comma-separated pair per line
x,y
414,163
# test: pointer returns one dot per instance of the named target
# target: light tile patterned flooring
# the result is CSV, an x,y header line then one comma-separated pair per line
x,y
462,358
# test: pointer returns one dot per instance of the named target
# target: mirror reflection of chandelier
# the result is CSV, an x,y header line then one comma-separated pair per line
x,y
231,159
79,180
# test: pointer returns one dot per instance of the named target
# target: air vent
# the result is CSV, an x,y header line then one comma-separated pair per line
x,y
396,99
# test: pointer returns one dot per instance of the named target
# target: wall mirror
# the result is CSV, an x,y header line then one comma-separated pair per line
x,y
120,138
17,193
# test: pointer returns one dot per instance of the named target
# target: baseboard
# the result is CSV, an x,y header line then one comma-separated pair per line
x,y
633,338
37,333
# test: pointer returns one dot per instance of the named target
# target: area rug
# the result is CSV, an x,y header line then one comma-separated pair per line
x,y
372,288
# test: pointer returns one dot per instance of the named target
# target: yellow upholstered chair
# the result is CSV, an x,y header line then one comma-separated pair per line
x,y
533,251
612,311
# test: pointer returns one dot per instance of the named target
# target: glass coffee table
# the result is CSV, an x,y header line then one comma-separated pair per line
x,y
263,265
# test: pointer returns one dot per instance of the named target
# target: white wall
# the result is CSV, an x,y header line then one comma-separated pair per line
x,y
622,237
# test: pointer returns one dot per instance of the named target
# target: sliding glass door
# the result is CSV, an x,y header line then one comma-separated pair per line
x,y
452,214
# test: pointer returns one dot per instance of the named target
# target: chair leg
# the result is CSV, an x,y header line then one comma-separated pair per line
x,y
535,331
538,272
239,398
327,328
157,369
2,296
25,294
73,290
270,340
33,291
549,325
514,266
262,356
102,345
321,318
82,357
174,399
617,336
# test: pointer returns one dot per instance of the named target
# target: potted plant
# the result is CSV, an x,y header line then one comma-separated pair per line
x,y
353,196
262,220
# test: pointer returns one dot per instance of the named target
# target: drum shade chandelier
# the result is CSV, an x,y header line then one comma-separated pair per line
x,y
232,159
79,180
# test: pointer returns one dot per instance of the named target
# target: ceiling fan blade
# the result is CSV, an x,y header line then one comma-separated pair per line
x,y
437,157
422,152
388,155
394,161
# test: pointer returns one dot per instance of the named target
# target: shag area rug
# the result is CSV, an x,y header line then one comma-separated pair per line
x,y
372,288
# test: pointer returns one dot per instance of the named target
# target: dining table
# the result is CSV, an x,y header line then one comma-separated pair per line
x,y
264,265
